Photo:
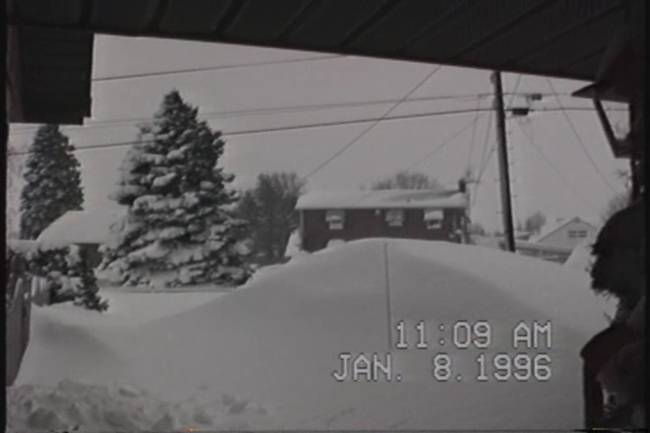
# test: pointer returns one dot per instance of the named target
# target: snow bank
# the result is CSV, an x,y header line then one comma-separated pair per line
x,y
293,245
72,405
581,257
277,341
86,226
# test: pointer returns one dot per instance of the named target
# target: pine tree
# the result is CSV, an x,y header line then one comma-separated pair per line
x,y
52,182
178,230
269,210
68,274
88,297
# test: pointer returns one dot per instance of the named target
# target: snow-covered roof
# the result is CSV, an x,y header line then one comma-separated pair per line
x,y
24,246
85,226
381,199
556,225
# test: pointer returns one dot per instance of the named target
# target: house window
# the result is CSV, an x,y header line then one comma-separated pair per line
x,y
334,219
577,234
433,219
395,217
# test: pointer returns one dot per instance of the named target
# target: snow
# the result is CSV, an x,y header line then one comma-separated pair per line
x,y
151,251
85,226
162,181
293,245
333,243
177,154
274,343
171,232
25,246
187,254
149,158
158,203
120,407
581,257
381,199
552,227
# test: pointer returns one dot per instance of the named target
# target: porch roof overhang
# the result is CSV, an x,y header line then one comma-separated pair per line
x,y
51,42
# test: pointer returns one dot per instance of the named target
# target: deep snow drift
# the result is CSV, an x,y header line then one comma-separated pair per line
x,y
581,257
273,345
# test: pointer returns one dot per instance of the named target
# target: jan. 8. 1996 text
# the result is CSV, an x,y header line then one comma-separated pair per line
x,y
525,363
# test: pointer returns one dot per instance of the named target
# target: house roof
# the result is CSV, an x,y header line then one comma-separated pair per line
x,y
553,227
85,226
381,199
565,39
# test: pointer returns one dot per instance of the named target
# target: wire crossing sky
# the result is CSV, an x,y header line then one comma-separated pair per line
x,y
293,111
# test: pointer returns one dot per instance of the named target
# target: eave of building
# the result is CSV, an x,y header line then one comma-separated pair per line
x,y
543,37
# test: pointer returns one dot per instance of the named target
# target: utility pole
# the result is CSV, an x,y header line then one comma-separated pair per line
x,y
504,174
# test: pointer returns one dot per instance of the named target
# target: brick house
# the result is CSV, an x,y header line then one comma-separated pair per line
x,y
332,216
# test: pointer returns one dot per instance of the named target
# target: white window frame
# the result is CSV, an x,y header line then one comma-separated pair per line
x,y
394,217
335,219
577,234
433,223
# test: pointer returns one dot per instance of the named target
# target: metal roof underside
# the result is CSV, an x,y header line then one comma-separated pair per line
x,y
561,38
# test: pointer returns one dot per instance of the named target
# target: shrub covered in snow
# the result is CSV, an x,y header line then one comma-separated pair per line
x,y
178,230
67,274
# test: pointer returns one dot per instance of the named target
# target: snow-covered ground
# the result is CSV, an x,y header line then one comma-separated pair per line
x,y
270,348
581,257
128,308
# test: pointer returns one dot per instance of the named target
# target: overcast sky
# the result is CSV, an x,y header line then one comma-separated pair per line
x,y
562,183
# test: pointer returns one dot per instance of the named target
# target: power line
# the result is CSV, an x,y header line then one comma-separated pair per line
x,y
211,68
557,171
486,146
514,92
472,140
442,145
480,176
579,138
277,110
336,154
431,153
268,110
301,127
513,205
284,128
485,158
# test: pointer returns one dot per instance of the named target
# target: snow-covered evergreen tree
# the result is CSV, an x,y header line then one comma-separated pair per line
x,y
52,182
53,187
178,230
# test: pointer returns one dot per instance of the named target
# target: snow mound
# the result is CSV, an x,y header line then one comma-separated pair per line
x,y
85,226
76,406
277,341
581,257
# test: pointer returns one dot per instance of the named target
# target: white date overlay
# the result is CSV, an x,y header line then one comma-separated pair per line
x,y
527,362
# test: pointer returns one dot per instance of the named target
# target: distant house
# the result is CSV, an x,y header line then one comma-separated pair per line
x,y
87,229
327,217
522,235
565,233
